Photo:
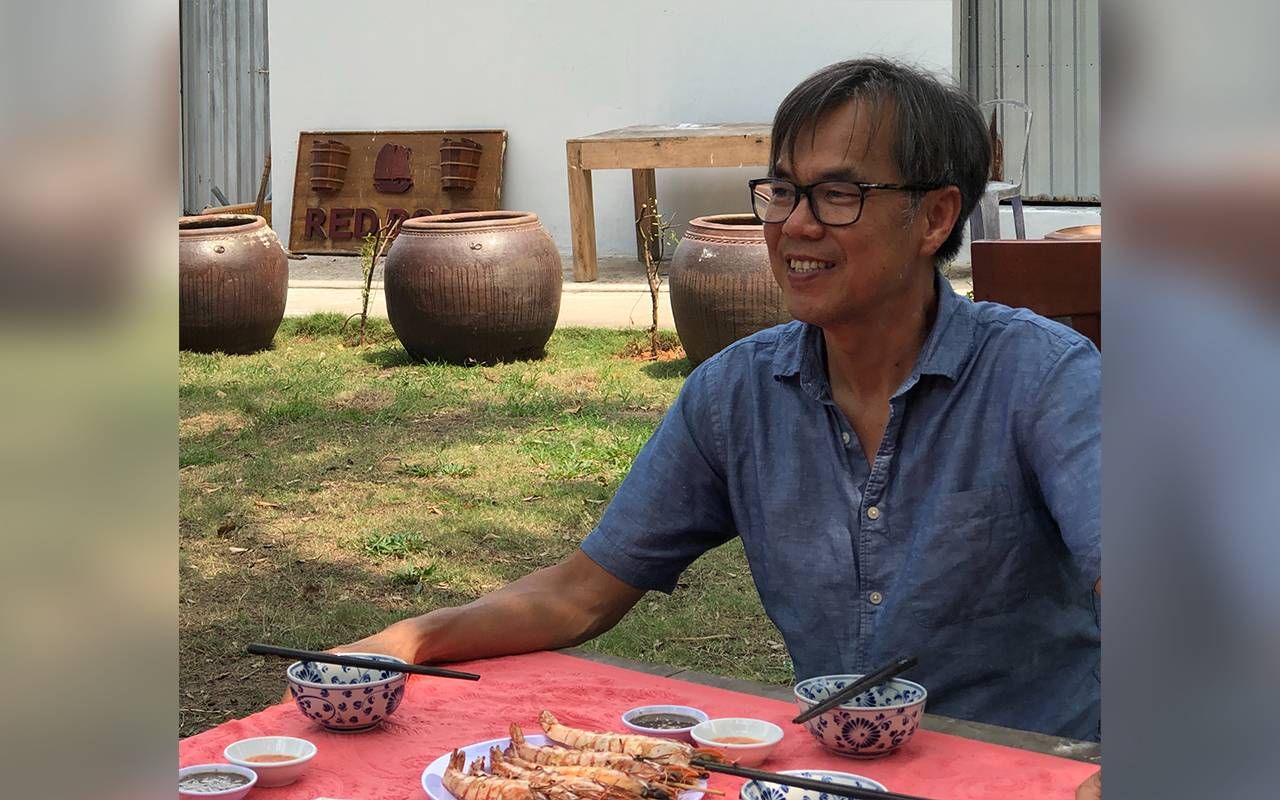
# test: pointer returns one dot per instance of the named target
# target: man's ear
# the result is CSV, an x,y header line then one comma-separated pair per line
x,y
939,211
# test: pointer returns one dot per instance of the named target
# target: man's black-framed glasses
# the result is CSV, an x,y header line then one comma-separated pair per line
x,y
833,203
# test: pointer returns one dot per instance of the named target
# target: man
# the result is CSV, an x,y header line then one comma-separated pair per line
x,y
910,472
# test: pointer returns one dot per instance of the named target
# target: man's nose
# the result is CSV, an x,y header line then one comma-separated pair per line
x,y
802,223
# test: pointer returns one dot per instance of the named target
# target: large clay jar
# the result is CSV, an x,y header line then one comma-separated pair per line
x,y
474,287
233,279
721,286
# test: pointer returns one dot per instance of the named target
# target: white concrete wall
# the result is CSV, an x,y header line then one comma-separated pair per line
x,y
548,71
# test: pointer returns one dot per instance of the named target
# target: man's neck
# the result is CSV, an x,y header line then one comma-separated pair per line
x,y
868,358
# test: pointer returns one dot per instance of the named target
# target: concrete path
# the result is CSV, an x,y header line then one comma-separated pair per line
x,y
619,298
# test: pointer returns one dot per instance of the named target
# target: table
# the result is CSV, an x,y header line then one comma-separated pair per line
x,y
642,149
1059,279
438,715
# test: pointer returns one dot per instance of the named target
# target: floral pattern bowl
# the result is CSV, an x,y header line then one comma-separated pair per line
x,y
872,724
762,790
346,699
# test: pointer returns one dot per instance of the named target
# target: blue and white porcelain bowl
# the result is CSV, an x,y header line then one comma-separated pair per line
x,y
346,699
872,724
762,790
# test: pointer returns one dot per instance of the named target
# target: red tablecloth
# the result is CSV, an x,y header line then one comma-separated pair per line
x,y
440,714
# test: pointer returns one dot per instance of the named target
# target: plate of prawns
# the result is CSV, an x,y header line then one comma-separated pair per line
x,y
564,763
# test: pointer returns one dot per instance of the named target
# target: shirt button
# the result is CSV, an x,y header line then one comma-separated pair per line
x,y
844,437
876,598
873,513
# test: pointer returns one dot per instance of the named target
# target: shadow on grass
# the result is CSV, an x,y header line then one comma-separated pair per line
x,y
678,368
293,598
293,601
397,356
387,357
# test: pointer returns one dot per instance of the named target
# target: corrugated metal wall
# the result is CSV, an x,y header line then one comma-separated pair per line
x,y
226,131
1045,53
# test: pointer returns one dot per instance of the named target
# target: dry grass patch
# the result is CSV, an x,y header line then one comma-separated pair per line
x,y
200,425
367,401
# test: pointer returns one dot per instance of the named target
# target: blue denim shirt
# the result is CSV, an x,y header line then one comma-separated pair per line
x,y
972,541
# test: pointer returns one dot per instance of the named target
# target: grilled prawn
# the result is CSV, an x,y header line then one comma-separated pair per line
x,y
666,752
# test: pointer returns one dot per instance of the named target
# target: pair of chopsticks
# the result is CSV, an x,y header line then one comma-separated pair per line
x,y
841,789
856,688
357,661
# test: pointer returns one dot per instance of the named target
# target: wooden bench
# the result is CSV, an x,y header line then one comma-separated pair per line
x,y
642,149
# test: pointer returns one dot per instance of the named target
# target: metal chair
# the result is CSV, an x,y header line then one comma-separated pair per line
x,y
984,222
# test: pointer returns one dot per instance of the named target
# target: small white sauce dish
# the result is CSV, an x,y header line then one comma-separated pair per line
x,y
224,769
712,733
629,719
272,773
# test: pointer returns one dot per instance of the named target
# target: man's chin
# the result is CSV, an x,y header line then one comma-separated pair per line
x,y
805,312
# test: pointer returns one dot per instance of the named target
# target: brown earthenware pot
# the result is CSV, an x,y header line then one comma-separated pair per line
x,y
721,286
474,287
233,279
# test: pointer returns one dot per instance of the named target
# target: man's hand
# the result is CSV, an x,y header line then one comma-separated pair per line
x,y
1091,789
399,640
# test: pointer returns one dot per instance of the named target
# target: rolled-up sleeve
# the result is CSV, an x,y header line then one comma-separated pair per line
x,y
1063,448
673,505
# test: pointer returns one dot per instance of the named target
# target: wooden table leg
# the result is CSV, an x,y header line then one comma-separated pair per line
x,y
582,218
644,189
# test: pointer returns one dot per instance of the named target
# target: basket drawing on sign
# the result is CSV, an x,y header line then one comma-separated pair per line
x,y
459,163
391,172
328,165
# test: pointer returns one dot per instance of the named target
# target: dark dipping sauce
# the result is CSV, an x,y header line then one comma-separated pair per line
x,y
664,722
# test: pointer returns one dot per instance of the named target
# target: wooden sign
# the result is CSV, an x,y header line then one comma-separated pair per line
x,y
350,183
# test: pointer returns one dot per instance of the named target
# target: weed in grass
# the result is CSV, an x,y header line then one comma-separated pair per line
x,y
413,575
446,470
399,544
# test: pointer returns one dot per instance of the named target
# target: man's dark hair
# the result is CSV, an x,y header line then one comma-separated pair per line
x,y
940,137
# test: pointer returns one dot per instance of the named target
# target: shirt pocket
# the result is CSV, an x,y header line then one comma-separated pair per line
x,y
973,559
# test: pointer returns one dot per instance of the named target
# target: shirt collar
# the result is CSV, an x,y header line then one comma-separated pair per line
x,y
946,349
949,344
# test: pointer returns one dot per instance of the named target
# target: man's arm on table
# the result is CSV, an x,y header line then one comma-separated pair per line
x,y
558,606
1065,454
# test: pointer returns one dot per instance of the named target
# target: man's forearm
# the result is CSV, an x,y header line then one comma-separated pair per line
x,y
548,609
499,624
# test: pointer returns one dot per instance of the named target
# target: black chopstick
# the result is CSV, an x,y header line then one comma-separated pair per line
x,y
857,687
357,661
842,789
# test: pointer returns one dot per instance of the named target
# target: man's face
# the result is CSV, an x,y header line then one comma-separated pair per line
x,y
860,268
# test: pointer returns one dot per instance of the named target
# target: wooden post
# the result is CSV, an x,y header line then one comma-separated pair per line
x,y
262,187
644,188
582,221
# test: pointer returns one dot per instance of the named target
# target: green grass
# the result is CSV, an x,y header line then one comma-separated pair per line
x,y
328,489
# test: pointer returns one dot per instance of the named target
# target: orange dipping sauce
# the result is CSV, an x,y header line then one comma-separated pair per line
x,y
270,758
738,740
